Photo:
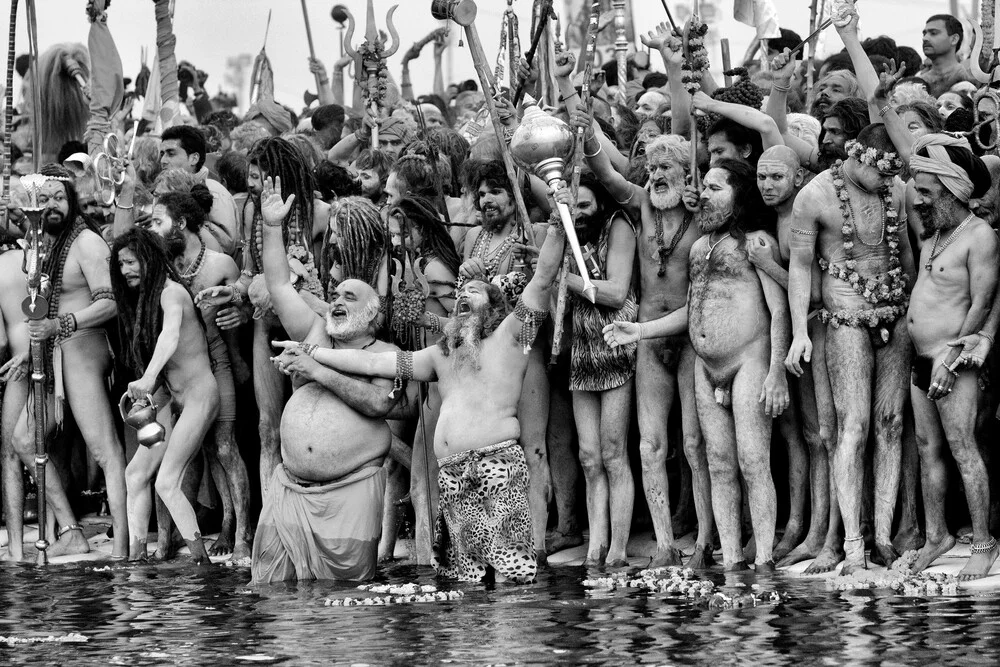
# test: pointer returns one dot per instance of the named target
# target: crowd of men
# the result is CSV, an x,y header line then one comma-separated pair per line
x,y
805,323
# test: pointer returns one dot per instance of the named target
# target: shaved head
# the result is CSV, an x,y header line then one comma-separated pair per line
x,y
782,154
779,175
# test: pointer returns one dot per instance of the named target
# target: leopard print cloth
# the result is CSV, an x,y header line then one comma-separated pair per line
x,y
483,517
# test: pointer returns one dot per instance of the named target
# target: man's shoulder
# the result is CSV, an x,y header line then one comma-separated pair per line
x,y
218,191
90,242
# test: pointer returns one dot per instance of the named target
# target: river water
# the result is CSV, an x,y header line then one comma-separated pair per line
x,y
159,615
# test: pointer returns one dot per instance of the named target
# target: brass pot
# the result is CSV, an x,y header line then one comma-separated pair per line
x,y
542,144
149,431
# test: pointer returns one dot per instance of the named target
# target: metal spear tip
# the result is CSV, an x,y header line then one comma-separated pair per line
x,y
590,290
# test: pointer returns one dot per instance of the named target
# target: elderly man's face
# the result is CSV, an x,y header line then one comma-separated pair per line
x,y
831,89
649,102
353,309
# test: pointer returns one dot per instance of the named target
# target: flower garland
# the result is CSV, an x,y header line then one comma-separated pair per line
x,y
696,62
869,317
881,288
886,162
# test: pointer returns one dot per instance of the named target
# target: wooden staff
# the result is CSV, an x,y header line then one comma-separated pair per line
x,y
726,62
464,14
543,20
9,109
585,102
312,51
621,48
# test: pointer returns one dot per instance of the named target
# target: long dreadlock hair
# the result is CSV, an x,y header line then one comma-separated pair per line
x,y
140,318
277,157
362,241
420,214
54,267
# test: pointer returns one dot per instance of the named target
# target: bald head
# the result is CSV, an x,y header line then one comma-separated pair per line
x,y
779,175
354,310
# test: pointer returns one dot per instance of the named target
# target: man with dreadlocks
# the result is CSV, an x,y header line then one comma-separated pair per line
x,y
164,343
484,523
737,319
303,231
178,218
76,261
322,514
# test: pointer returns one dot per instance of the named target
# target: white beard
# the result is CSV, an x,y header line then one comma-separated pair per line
x,y
664,201
352,326
464,338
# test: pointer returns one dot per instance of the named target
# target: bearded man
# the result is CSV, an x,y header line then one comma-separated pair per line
x,y
322,516
81,302
666,365
164,343
178,218
853,215
484,523
737,319
955,289
832,88
303,233
490,256
780,177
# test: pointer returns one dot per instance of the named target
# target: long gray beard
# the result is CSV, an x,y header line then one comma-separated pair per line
x,y
463,338
710,218
669,199
354,325
935,217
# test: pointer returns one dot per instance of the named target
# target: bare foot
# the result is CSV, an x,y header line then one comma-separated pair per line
x,y
908,539
137,552
618,562
979,564
791,537
826,561
222,546
13,555
541,558
764,568
166,548
931,551
702,558
737,567
854,559
804,551
557,541
884,554
593,563
665,557
71,541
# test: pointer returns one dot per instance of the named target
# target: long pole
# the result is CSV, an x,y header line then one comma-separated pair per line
x,y
621,48
543,20
9,109
32,306
312,51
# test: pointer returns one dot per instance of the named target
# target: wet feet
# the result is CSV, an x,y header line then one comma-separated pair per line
x,y
702,558
12,556
199,555
980,563
883,554
804,551
854,558
740,566
931,551
166,548
558,540
764,568
665,557
618,563
908,539
222,546
70,541
788,541
826,560
750,550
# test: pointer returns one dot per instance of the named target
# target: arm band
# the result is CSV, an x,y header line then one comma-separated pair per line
x,y
404,371
102,293
531,320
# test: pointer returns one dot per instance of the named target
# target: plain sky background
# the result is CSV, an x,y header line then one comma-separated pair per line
x,y
209,32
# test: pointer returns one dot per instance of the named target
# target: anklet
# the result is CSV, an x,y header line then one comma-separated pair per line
x,y
66,529
859,538
984,547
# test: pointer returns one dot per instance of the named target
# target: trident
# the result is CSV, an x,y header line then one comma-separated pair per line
x,y
370,57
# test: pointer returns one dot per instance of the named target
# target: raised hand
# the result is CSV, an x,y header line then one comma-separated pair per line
x,y
887,80
440,42
317,67
618,334
506,112
565,64
783,65
702,102
526,74
342,63
273,209
657,39
580,118
845,18
691,198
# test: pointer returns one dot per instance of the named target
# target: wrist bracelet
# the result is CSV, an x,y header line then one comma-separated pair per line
x,y
124,208
949,369
435,323
600,147
237,298
567,97
308,348
884,110
404,371
986,336
780,88
67,326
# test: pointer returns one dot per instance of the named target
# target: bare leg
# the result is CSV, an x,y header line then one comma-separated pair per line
x,y
86,362
958,417
892,379
615,407
269,389
753,442
587,414
720,436
138,479
934,479
790,426
423,476
395,489
227,532
697,461
655,388
850,364
533,414
564,464
14,398
236,477
909,535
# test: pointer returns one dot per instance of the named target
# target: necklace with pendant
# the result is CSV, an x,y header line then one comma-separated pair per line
x,y
935,253
712,246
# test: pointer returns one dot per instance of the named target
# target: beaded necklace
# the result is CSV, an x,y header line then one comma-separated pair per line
x,y
53,268
663,252
492,260
935,253
195,267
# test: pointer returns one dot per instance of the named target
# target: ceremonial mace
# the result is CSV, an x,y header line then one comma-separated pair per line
x,y
578,157
36,307
312,51
463,12
370,57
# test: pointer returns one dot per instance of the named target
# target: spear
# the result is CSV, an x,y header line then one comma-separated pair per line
x,y
543,20
9,109
595,13
312,51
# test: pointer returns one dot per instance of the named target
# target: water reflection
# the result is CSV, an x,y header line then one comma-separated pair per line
x,y
169,615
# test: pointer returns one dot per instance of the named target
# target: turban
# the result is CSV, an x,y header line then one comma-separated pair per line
x,y
272,112
953,162
395,128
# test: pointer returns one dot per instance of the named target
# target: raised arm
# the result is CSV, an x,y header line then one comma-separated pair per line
x,y
378,364
624,192
671,49
894,125
804,233
783,67
323,91
846,22
744,115
536,292
296,316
